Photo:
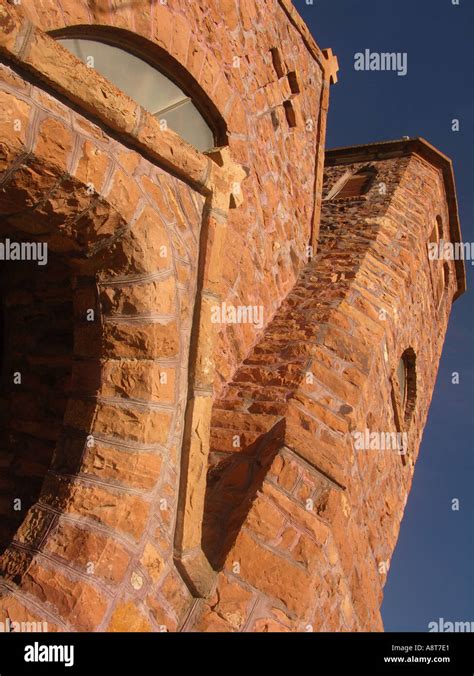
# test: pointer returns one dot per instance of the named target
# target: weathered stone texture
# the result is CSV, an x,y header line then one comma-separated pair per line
x,y
322,371
177,473
98,396
213,41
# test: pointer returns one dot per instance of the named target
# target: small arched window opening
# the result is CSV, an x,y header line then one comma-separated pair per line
x,y
404,394
146,85
437,232
402,381
439,271
406,386
356,184
447,274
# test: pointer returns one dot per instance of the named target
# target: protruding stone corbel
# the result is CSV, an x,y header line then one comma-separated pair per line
x,y
330,65
225,179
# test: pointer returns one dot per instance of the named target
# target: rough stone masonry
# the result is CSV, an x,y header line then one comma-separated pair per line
x,y
161,469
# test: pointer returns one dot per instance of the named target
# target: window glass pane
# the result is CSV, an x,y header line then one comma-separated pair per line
x,y
186,121
134,77
147,86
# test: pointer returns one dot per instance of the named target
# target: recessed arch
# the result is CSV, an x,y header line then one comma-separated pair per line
x,y
62,350
439,271
120,243
403,395
37,355
447,274
406,376
437,232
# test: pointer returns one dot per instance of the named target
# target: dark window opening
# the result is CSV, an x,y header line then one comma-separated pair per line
x,y
293,82
290,114
437,232
403,394
406,387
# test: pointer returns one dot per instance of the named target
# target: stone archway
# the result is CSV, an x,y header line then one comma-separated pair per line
x,y
112,274
97,543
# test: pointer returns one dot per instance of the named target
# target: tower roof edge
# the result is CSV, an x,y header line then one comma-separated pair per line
x,y
383,150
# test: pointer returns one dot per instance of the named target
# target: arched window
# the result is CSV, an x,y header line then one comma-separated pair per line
x,y
357,184
447,274
402,382
403,394
437,232
406,386
147,86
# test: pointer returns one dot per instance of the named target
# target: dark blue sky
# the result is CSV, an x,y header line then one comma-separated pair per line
x,y
432,571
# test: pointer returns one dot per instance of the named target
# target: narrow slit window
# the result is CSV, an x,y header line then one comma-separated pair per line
x,y
439,270
437,232
406,377
447,274
402,382
290,113
277,62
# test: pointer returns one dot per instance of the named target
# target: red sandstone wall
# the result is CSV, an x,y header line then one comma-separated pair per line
x,y
267,236
292,565
105,516
96,551
303,521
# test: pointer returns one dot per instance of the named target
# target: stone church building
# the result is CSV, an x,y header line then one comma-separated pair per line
x,y
214,390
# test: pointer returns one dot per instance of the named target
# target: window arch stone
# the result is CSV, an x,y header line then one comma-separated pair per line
x,y
161,34
146,85
194,70
107,221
